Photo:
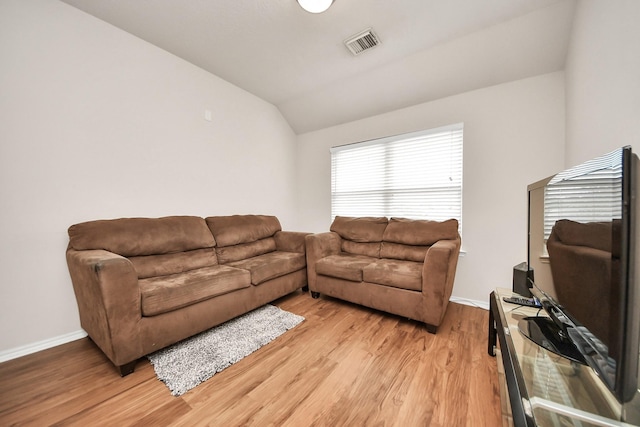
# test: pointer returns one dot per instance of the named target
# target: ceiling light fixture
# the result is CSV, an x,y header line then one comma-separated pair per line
x,y
315,6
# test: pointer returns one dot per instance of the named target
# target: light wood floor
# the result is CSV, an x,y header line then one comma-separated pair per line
x,y
345,365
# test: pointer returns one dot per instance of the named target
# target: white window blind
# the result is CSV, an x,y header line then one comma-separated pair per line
x,y
417,175
591,192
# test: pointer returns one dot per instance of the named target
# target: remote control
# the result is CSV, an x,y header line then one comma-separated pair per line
x,y
529,302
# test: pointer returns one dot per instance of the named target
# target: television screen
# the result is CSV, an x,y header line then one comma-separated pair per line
x,y
581,250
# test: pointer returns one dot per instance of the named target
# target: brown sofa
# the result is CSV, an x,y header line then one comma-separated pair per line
x,y
142,284
400,266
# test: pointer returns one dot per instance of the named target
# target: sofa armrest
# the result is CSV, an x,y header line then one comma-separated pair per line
x,y
320,245
290,241
108,297
438,275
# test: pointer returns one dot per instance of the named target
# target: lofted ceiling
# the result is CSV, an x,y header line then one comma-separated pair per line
x,y
297,61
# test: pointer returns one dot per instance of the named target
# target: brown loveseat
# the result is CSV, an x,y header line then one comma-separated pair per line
x,y
144,283
400,266
582,258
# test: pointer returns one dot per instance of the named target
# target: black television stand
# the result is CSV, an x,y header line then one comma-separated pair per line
x,y
537,386
544,332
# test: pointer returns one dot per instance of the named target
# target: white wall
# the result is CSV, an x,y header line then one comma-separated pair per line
x,y
603,79
99,124
95,123
513,136
603,88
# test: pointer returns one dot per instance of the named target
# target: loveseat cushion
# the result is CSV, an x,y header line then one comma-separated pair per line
x,y
165,264
362,230
167,293
269,266
142,236
371,249
591,234
419,232
406,252
396,273
343,266
238,229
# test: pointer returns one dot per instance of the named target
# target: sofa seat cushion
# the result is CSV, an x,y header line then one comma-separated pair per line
x,y
396,273
344,266
167,293
269,266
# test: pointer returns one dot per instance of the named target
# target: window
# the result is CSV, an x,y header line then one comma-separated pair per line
x,y
590,192
417,175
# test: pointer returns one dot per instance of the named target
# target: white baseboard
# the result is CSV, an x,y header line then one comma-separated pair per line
x,y
24,350
474,303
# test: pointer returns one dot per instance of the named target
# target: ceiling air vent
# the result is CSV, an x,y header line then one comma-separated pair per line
x,y
362,41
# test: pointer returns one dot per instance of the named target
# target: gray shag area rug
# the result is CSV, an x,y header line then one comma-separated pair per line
x,y
186,364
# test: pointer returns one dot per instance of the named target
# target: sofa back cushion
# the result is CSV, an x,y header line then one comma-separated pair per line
x,y
132,237
404,252
419,232
361,230
163,265
371,249
246,250
237,229
240,237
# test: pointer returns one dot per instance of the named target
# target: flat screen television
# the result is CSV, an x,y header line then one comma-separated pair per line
x,y
582,249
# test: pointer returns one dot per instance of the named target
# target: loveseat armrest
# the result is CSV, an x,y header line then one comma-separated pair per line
x,y
320,245
290,241
108,297
438,275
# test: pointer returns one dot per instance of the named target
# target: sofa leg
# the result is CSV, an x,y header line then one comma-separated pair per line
x,y
127,368
315,295
430,328
305,288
